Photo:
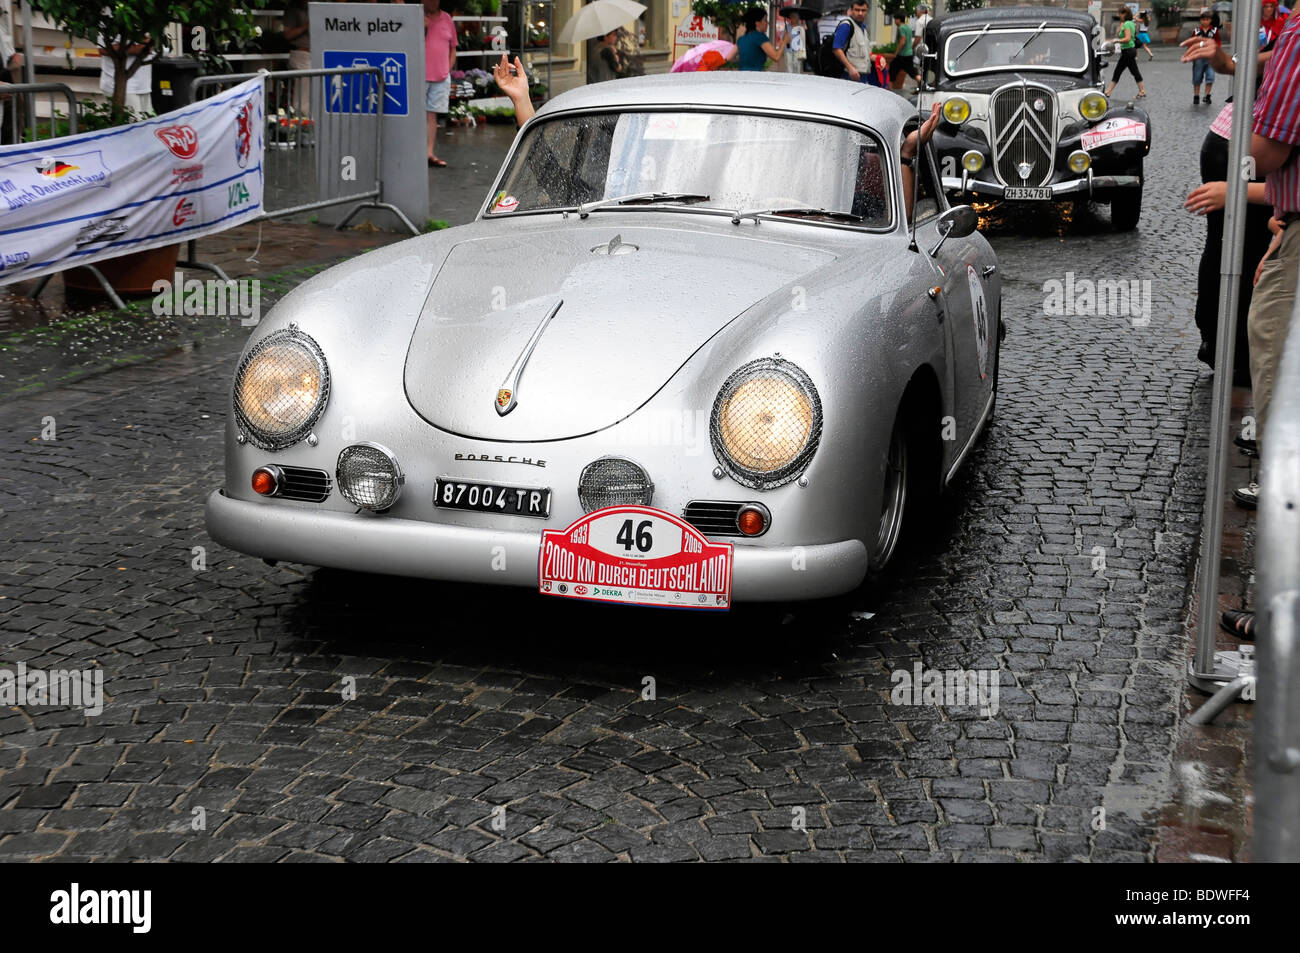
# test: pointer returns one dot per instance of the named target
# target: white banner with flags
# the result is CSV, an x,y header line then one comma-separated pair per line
x,y
80,199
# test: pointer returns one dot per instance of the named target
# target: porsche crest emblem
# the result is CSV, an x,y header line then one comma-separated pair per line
x,y
503,399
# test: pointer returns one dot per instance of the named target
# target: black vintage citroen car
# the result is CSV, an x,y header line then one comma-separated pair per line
x,y
1024,117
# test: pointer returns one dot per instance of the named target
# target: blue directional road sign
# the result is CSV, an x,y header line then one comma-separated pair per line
x,y
359,92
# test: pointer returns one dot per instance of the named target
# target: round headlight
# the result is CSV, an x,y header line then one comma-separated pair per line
x,y
972,160
614,481
369,476
280,389
956,110
1093,106
767,420
1079,161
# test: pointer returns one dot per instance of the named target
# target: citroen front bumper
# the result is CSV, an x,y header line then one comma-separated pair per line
x,y
1089,184
381,544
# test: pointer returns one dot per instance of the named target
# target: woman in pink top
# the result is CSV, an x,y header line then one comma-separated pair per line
x,y
439,61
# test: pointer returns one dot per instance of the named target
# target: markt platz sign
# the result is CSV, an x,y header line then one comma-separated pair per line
x,y
391,37
80,199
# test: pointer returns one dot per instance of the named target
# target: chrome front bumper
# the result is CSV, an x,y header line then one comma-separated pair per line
x,y
1089,184
381,544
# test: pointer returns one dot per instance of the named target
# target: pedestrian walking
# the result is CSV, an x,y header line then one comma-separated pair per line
x,y
439,61
901,62
297,33
1270,19
852,47
1203,70
11,68
603,63
796,52
1127,40
755,47
1144,33
922,21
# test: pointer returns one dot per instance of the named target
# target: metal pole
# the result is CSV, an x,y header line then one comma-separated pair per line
x,y
1277,750
29,66
1205,673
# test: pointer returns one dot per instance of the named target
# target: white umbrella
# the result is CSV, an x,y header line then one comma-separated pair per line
x,y
599,18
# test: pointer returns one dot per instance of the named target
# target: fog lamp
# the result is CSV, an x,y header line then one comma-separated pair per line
x,y
368,476
614,481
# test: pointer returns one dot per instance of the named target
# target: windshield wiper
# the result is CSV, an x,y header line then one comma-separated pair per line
x,y
966,49
1042,26
641,198
797,210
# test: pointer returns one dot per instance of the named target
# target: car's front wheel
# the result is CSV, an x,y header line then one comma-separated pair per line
x,y
1126,209
893,498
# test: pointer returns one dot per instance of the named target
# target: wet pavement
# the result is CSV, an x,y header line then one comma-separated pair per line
x,y
311,715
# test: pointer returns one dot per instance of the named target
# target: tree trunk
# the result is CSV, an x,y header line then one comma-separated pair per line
x,y
119,83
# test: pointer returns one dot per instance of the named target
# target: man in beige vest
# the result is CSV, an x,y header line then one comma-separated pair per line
x,y
852,46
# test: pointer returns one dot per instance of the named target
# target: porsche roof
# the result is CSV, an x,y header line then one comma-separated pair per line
x,y
785,92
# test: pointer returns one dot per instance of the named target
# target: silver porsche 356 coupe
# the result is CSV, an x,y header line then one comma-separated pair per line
x,y
703,300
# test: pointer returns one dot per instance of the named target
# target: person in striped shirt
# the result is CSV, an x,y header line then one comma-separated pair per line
x,y
1276,136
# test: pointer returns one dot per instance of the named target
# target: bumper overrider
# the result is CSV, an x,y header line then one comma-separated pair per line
x,y
401,547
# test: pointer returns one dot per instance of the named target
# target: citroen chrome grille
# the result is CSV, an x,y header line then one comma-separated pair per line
x,y
1023,117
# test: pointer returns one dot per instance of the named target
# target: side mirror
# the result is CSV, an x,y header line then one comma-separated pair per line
x,y
958,222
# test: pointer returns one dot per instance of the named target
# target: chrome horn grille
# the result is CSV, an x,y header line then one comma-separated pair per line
x,y
1023,130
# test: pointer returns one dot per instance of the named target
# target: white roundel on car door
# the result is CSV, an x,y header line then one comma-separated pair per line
x,y
979,314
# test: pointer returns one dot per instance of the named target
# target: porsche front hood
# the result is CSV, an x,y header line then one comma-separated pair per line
x,y
590,330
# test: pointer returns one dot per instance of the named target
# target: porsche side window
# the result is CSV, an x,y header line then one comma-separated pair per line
x,y
927,201
869,197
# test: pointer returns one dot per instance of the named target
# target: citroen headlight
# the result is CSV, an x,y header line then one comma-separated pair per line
x,y
956,110
281,389
767,420
972,161
1093,106
1079,161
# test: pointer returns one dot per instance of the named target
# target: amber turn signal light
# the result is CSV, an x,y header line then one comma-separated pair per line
x,y
751,521
265,482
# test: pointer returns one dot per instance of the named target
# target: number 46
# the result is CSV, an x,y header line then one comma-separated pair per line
x,y
643,540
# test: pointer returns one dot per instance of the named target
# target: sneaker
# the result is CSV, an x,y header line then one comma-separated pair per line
x,y
1249,447
1196,100
1207,99
1247,497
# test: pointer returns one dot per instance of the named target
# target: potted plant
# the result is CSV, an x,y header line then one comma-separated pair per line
x,y
141,25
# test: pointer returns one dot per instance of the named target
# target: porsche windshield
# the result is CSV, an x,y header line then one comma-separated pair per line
x,y
1027,48
693,160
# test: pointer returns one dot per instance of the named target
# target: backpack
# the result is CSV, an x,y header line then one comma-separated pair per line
x,y
826,64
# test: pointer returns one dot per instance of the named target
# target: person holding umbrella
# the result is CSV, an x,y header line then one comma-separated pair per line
x,y
755,46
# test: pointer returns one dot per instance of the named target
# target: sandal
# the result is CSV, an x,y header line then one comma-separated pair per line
x,y
438,163
1239,623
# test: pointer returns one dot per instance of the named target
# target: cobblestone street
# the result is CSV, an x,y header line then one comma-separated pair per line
x,y
225,678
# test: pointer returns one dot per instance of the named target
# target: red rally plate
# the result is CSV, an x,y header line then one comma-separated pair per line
x,y
637,556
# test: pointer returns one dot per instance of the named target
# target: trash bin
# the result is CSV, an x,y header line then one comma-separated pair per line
x,y
173,77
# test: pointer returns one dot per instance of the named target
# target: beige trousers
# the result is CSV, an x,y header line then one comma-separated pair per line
x,y
1269,319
